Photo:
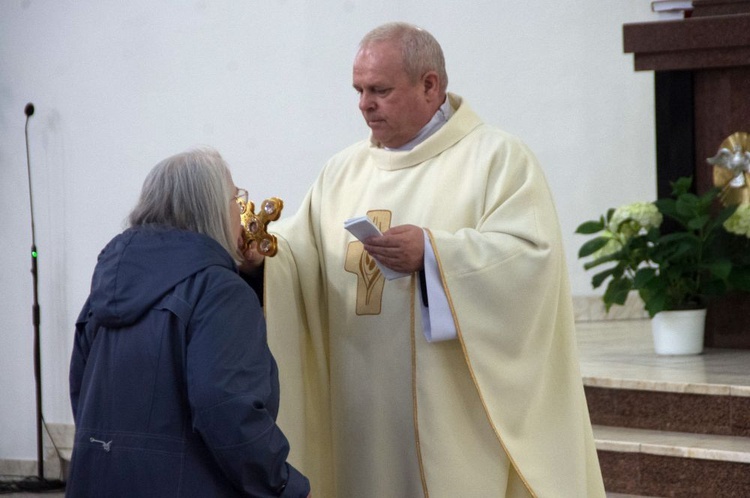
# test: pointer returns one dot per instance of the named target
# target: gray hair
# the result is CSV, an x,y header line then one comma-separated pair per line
x,y
420,51
190,191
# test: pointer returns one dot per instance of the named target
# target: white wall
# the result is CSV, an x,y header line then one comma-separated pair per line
x,y
120,85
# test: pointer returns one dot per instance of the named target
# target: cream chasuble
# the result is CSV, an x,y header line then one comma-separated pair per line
x,y
370,407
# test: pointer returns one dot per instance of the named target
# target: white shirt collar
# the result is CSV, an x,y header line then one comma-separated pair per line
x,y
442,116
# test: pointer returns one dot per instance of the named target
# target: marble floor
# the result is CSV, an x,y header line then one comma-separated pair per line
x,y
620,353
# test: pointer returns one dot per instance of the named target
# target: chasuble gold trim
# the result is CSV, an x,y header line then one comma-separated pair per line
x,y
471,370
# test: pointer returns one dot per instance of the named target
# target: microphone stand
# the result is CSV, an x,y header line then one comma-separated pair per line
x,y
40,484
35,310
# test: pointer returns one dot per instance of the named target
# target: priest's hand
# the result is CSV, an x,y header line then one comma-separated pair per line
x,y
252,259
401,248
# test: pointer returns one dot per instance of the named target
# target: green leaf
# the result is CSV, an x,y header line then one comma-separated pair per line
x,y
600,277
655,304
681,185
698,223
720,268
643,276
617,292
592,246
589,227
674,237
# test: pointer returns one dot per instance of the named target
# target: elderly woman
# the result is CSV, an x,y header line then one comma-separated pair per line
x,y
174,390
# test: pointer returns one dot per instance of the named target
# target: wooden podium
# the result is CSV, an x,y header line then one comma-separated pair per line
x,y
701,70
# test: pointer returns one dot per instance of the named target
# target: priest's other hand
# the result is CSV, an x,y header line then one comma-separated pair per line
x,y
401,248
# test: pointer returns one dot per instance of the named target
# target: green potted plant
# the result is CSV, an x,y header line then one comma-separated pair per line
x,y
700,253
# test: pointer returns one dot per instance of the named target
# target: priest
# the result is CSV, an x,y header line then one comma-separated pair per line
x,y
439,358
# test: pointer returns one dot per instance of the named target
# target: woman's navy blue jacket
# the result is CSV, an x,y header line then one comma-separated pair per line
x,y
174,390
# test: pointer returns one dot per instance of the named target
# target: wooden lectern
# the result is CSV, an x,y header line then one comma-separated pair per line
x,y
701,70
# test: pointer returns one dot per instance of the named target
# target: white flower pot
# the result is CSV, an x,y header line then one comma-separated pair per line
x,y
678,332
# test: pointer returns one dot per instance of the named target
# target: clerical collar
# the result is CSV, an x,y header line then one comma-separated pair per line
x,y
441,117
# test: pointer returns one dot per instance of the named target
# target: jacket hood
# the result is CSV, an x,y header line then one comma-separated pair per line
x,y
139,266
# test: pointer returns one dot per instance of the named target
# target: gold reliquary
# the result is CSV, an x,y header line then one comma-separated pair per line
x,y
255,225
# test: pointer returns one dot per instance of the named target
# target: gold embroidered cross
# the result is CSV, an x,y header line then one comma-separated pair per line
x,y
370,280
255,225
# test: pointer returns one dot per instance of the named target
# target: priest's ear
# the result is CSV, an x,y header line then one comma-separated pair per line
x,y
431,84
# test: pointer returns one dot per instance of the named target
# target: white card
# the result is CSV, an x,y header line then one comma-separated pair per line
x,y
362,227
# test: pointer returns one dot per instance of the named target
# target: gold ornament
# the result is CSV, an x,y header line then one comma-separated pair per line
x,y
255,225
732,169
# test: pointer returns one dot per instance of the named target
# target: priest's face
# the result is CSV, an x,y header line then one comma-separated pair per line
x,y
394,107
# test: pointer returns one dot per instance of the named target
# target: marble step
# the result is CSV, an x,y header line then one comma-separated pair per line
x,y
673,444
666,425
721,414
628,385
645,462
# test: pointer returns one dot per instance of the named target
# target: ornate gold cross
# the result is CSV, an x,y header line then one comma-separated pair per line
x,y
255,225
